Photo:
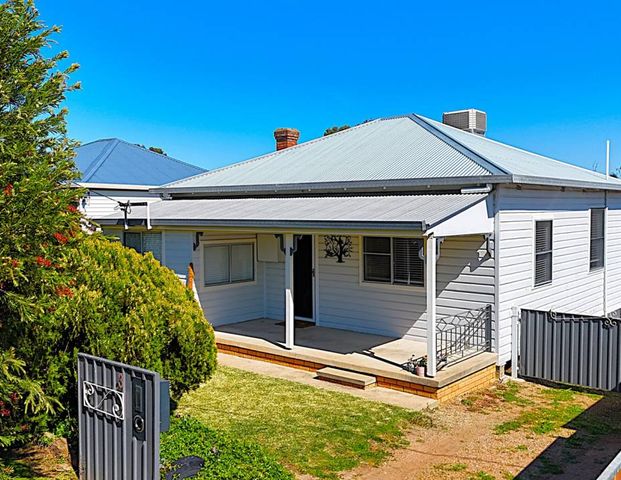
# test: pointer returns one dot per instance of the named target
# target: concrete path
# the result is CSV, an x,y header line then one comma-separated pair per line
x,y
377,394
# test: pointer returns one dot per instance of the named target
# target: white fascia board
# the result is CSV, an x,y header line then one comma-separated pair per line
x,y
478,219
114,186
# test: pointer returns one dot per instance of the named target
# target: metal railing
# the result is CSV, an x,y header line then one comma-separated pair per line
x,y
463,335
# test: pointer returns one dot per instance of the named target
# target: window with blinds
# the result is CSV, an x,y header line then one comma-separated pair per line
x,y
230,263
543,252
393,260
144,242
597,238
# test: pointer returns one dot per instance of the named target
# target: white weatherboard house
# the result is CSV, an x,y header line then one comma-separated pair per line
x,y
401,237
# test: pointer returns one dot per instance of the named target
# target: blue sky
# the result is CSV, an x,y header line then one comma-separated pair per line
x,y
210,81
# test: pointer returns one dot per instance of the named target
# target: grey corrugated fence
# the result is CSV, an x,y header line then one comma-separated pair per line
x,y
571,348
119,420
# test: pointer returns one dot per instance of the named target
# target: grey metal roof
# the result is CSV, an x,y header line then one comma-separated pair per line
x,y
395,153
384,149
394,211
518,162
115,161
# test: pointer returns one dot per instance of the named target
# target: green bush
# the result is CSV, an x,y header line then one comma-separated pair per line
x,y
225,457
119,305
127,307
20,398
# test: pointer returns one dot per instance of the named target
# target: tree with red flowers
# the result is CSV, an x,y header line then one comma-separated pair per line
x,y
62,291
37,221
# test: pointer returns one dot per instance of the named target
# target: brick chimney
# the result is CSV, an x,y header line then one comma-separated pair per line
x,y
286,137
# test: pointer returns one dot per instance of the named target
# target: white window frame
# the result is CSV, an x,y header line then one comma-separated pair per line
x,y
604,214
215,243
386,285
542,218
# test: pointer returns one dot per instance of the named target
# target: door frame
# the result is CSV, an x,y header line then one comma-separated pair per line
x,y
313,285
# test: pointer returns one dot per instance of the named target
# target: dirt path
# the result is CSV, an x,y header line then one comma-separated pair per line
x,y
466,444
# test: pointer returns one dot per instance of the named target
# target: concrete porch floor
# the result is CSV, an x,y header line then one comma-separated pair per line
x,y
359,352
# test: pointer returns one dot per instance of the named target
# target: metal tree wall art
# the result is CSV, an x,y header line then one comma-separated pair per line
x,y
337,246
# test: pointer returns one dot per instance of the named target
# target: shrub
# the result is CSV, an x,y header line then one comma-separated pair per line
x,y
127,307
119,305
225,457
20,398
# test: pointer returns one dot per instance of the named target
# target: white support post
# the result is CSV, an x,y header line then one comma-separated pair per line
x,y
430,285
289,315
515,341
148,217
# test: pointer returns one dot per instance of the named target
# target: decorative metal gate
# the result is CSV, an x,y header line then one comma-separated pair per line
x,y
119,411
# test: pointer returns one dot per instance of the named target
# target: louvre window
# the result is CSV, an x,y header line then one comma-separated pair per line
x,y
393,260
543,252
597,238
231,263
144,242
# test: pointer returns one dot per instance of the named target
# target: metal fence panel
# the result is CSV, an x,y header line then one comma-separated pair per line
x,y
119,420
570,348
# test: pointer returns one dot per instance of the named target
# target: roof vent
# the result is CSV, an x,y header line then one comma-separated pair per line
x,y
470,120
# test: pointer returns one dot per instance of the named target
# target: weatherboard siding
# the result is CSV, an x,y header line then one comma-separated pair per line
x,y
178,250
224,304
98,205
465,279
574,288
613,252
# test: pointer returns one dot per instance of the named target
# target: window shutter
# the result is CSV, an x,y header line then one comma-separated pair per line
x,y
216,264
597,238
543,252
408,268
242,262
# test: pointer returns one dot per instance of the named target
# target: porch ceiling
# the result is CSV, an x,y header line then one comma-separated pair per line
x,y
411,212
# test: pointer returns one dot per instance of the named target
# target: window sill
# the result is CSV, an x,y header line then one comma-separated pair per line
x,y
542,285
224,286
391,286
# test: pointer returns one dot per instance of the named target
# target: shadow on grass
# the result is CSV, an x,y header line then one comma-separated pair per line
x,y
594,443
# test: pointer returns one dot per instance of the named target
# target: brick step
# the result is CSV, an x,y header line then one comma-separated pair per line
x,y
345,377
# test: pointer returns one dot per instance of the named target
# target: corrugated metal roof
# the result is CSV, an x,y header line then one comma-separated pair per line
x,y
405,211
118,162
517,161
384,149
397,153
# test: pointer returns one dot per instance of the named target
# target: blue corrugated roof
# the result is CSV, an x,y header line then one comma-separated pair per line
x,y
115,161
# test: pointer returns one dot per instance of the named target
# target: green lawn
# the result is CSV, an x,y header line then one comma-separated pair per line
x,y
309,430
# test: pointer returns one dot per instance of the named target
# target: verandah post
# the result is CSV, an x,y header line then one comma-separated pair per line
x,y
289,312
430,285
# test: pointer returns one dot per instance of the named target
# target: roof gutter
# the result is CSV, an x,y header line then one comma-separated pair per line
x,y
345,225
367,186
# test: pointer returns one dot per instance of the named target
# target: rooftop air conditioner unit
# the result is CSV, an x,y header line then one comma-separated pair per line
x,y
470,120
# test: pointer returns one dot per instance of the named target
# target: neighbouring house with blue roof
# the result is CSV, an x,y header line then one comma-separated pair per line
x,y
117,171
399,238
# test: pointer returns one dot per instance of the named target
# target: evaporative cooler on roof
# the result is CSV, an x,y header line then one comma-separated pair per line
x,y
470,120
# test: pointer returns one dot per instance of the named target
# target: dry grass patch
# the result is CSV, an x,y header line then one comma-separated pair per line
x,y
513,430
